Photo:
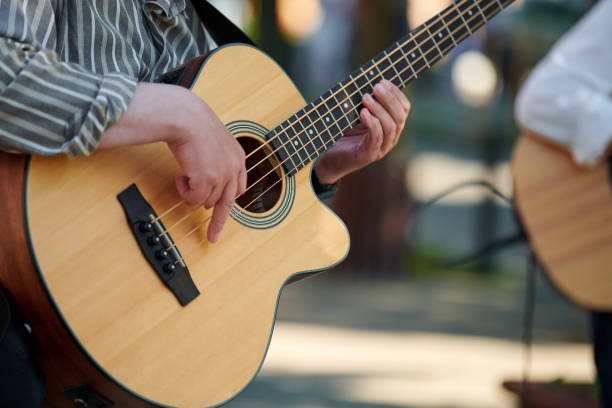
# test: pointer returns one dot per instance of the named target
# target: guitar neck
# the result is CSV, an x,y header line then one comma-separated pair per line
x,y
304,136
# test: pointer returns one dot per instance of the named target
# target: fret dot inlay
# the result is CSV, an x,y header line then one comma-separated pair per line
x,y
338,109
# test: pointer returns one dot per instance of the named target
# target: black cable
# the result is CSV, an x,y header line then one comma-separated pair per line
x,y
487,249
528,318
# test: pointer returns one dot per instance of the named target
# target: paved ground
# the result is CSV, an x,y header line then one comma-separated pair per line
x,y
443,344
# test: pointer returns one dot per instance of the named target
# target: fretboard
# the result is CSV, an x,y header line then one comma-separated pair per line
x,y
311,131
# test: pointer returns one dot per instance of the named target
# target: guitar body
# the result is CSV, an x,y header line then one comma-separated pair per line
x,y
87,264
567,214
83,274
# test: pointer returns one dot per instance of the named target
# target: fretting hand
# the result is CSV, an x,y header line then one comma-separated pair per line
x,y
382,121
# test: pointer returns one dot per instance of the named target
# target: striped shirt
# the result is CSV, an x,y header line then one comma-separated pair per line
x,y
69,68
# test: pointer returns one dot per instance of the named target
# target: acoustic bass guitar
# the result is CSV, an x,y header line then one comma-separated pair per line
x,y
124,295
566,211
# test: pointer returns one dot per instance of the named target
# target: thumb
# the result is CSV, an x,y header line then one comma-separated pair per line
x,y
187,193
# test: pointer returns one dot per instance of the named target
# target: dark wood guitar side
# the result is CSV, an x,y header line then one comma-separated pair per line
x,y
65,365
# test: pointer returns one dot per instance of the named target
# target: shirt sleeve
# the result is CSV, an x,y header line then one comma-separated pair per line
x,y
47,106
568,96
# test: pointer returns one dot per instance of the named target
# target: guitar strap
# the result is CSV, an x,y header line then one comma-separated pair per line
x,y
220,28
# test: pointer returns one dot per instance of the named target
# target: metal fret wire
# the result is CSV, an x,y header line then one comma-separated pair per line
x,y
345,115
440,18
347,127
359,89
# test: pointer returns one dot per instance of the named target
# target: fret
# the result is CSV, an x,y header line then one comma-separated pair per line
x,y
342,107
320,127
447,28
304,140
376,64
455,24
417,61
352,89
283,149
418,45
438,30
490,8
435,41
481,13
396,78
297,144
313,135
291,146
382,65
349,108
369,73
469,10
309,132
291,141
363,83
405,61
332,114
460,14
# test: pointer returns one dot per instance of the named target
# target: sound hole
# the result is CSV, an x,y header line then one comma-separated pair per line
x,y
264,185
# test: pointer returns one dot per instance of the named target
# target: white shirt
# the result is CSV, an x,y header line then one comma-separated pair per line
x,y
568,96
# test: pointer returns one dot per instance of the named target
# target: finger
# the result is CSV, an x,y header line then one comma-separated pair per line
x,y
357,131
404,102
242,181
384,92
188,194
389,126
215,195
370,146
222,211
403,99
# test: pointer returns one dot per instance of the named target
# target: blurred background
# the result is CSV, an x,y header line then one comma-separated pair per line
x,y
387,328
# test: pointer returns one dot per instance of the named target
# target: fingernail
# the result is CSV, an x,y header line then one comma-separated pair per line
x,y
214,238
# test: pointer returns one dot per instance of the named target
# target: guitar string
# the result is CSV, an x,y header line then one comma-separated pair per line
x,y
399,46
444,26
303,149
270,187
398,74
345,115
